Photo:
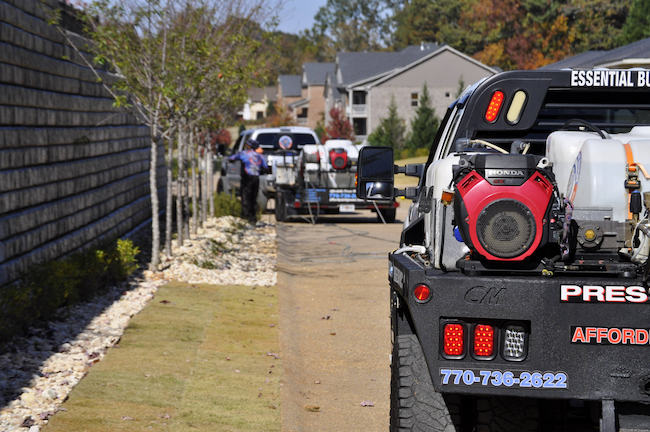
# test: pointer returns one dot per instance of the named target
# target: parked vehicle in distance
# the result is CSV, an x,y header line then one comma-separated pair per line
x,y
271,140
322,179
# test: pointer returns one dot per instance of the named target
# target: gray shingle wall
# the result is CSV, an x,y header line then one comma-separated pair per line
x,y
74,170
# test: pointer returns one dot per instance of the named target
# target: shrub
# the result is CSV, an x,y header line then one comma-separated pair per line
x,y
405,154
226,205
46,287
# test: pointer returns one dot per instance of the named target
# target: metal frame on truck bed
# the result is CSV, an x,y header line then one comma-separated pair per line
x,y
519,294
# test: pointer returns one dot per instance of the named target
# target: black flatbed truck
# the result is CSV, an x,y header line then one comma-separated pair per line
x,y
484,339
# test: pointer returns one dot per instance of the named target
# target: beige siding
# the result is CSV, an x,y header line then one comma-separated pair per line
x,y
441,74
316,105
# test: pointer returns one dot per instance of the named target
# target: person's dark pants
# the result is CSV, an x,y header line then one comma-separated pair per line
x,y
249,189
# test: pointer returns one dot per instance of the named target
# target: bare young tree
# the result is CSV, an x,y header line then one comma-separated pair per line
x,y
176,63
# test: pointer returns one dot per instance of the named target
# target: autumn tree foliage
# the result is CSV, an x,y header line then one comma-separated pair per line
x,y
513,34
338,127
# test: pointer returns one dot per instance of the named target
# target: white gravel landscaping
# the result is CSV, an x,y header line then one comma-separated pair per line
x,y
55,357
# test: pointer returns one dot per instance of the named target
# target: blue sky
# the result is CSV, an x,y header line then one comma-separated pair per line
x,y
298,15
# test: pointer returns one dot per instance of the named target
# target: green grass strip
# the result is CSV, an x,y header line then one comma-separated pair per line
x,y
195,359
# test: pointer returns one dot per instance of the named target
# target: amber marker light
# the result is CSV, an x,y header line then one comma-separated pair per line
x,y
447,197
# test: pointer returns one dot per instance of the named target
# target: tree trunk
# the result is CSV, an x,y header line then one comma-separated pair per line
x,y
179,186
186,189
169,212
204,186
210,181
195,201
153,190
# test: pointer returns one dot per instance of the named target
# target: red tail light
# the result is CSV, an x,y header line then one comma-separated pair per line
x,y
454,340
483,340
422,293
495,106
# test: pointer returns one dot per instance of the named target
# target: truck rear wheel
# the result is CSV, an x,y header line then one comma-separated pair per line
x,y
507,414
414,404
262,201
388,214
416,407
281,213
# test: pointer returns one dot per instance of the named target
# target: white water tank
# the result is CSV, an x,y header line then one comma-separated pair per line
x,y
562,148
598,174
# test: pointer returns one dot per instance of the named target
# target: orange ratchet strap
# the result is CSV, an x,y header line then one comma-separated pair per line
x,y
632,181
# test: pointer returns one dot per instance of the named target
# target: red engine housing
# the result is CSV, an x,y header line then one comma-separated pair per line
x,y
339,159
501,222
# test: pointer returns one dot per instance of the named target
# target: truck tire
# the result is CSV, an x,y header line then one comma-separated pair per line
x,y
388,214
507,414
281,213
262,200
414,404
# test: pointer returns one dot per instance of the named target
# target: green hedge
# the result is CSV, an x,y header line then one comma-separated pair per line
x,y
46,287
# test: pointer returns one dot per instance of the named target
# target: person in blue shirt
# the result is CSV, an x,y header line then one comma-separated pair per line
x,y
254,165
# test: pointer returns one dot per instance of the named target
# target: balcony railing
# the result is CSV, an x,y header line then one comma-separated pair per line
x,y
359,110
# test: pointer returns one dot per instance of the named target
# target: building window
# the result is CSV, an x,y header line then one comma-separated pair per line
x,y
414,99
358,98
359,125
260,115
304,112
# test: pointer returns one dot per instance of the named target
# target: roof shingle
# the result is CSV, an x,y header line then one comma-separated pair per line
x,y
357,66
315,73
290,85
591,59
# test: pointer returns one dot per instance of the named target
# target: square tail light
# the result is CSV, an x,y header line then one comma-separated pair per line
x,y
453,340
484,340
515,342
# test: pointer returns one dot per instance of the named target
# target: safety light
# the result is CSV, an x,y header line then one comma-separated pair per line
x,y
454,340
516,107
514,344
494,107
483,340
422,293
296,204
447,197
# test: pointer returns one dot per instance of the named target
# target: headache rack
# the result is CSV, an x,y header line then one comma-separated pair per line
x,y
612,109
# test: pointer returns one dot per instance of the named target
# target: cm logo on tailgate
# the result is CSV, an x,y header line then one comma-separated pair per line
x,y
602,294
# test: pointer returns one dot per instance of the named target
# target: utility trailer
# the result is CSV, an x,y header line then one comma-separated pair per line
x,y
321,179
519,292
